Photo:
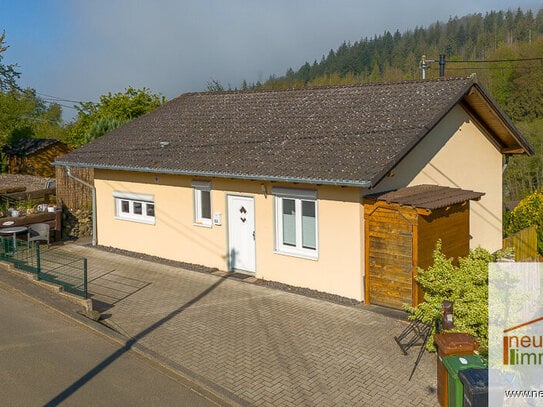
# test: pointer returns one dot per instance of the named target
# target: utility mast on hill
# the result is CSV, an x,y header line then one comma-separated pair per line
x,y
425,64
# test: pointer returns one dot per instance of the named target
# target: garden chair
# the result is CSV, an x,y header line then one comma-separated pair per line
x,y
37,232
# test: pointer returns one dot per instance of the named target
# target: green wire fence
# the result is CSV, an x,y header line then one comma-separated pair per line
x,y
63,269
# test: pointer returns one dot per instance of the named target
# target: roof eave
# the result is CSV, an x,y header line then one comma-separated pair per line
x,y
525,146
211,174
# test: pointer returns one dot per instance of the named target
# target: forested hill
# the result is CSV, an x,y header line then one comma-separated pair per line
x,y
504,49
513,36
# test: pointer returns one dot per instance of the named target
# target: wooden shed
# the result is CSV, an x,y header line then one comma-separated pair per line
x,y
34,156
402,228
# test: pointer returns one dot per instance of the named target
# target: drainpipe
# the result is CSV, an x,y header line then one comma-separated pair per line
x,y
93,190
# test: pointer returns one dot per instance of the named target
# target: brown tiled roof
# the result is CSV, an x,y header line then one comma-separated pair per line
x,y
427,196
346,135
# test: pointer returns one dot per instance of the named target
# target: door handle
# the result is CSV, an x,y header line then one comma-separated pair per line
x,y
254,238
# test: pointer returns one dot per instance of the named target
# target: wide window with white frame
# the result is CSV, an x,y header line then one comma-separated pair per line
x,y
134,207
202,203
296,222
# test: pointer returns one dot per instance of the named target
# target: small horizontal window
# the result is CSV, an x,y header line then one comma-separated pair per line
x,y
133,209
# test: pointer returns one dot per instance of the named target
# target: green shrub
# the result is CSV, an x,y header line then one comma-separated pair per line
x,y
465,285
528,212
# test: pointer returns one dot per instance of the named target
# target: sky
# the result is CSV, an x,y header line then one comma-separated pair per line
x,y
77,50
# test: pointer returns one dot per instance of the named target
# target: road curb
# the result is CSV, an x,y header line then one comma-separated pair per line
x,y
83,302
186,377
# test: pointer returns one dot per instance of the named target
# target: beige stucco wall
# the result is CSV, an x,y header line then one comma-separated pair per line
x,y
458,154
174,236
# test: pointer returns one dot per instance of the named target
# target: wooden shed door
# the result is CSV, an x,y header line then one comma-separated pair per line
x,y
390,258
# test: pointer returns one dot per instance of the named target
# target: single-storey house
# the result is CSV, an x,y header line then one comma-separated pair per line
x,y
290,185
34,156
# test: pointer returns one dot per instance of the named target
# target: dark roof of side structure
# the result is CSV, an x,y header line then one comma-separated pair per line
x,y
343,135
28,146
427,196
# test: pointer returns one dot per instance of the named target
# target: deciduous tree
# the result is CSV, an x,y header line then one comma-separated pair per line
x,y
94,119
8,73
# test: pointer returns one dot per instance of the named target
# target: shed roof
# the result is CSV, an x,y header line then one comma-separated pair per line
x,y
28,146
343,135
428,197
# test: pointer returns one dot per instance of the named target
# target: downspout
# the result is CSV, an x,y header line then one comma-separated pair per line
x,y
93,191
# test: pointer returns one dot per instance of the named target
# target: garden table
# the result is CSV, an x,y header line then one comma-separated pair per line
x,y
13,231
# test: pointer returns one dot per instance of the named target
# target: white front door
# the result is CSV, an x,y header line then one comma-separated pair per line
x,y
241,233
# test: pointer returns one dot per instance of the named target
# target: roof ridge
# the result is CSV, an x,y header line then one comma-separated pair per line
x,y
471,77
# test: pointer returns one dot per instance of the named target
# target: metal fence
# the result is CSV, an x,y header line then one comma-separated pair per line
x,y
46,264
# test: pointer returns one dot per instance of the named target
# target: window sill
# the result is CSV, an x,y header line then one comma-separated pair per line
x,y
203,224
298,255
144,221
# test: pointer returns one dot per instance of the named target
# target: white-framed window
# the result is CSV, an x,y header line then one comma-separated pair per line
x,y
296,222
134,207
202,203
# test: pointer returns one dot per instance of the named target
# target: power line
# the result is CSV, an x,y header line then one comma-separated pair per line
x,y
67,106
482,61
60,104
488,68
58,98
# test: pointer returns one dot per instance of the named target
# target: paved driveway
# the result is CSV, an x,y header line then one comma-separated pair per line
x,y
257,345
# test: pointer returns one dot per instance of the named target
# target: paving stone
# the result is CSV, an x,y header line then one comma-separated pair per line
x,y
266,346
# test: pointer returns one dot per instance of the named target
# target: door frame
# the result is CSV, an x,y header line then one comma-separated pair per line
x,y
229,231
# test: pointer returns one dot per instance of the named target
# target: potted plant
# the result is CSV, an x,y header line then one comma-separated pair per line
x,y
30,207
27,207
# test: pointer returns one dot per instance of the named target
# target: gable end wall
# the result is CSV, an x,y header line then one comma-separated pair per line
x,y
457,153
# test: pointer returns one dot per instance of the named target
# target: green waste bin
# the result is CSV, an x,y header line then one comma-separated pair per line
x,y
455,364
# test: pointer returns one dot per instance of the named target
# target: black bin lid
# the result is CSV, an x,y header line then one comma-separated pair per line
x,y
475,379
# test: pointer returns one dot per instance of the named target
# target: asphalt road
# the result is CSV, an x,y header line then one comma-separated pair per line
x,y
48,360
